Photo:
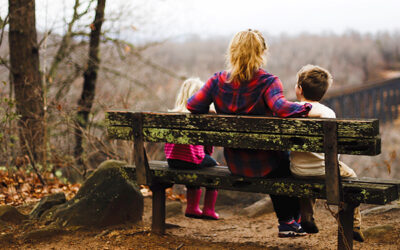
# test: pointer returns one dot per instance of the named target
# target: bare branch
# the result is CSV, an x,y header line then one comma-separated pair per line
x,y
45,36
123,75
3,26
4,62
32,160
65,47
136,52
66,83
158,67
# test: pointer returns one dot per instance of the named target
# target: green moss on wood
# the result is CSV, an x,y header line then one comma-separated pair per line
x,y
357,137
190,178
300,126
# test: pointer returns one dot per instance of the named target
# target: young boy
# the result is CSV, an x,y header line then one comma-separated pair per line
x,y
312,84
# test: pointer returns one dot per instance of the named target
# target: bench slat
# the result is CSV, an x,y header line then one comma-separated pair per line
x,y
353,146
220,177
356,128
381,181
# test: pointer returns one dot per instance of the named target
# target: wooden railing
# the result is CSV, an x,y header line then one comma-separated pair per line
x,y
379,100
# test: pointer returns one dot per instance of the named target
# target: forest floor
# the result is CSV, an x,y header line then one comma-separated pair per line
x,y
232,231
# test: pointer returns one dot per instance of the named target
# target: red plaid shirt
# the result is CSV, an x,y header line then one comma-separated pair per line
x,y
263,95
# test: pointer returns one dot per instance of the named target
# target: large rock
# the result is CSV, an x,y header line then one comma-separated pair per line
x,y
46,203
381,209
107,197
11,214
382,233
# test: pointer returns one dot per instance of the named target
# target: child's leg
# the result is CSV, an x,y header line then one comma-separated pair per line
x,y
307,209
287,209
307,215
193,195
346,171
306,204
209,204
357,217
208,161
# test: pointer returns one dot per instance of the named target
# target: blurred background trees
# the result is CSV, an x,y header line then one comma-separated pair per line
x,y
85,102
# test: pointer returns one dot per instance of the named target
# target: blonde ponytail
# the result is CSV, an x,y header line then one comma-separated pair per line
x,y
245,55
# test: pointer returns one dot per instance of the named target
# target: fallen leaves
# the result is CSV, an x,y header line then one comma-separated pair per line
x,y
145,190
175,197
19,187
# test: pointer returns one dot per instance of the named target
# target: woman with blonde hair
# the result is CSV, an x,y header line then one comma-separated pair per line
x,y
247,89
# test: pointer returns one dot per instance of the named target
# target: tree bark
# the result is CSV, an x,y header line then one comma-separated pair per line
x,y
90,76
25,77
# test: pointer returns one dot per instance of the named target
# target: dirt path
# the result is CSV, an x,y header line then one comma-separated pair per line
x,y
263,231
231,232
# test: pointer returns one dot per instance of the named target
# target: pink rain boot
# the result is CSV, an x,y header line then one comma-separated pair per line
x,y
193,196
209,204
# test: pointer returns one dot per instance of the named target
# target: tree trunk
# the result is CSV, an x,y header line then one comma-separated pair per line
x,y
90,76
25,77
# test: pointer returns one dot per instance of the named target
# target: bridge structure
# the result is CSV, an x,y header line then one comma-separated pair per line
x,y
379,100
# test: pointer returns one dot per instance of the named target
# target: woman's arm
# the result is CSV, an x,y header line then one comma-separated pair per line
x,y
280,106
200,102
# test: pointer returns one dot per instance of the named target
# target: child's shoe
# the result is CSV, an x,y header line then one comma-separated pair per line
x,y
193,196
290,229
358,235
209,205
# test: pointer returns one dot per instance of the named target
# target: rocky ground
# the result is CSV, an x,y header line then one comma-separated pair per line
x,y
235,230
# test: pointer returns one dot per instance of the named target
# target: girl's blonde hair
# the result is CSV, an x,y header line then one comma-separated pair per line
x,y
188,88
245,55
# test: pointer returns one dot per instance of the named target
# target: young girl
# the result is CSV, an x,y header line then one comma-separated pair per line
x,y
192,156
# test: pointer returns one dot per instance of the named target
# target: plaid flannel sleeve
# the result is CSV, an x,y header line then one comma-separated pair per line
x,y
200,102
280,106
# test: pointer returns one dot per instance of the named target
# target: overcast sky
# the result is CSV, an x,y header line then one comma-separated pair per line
x,y
213,17
289,16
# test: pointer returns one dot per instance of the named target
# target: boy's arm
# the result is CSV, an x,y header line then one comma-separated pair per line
x,y
319,110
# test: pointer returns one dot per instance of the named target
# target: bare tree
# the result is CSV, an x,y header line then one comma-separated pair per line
x,y
25,77
90,76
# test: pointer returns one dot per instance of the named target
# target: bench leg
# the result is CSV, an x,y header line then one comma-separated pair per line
x,y
158,217
345,234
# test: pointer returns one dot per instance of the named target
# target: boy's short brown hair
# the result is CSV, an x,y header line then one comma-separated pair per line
x,y
314,81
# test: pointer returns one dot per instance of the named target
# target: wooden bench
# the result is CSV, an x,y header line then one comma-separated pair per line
x,y
331,136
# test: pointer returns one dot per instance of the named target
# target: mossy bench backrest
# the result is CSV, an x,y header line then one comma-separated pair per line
x,y
332,136
356,137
